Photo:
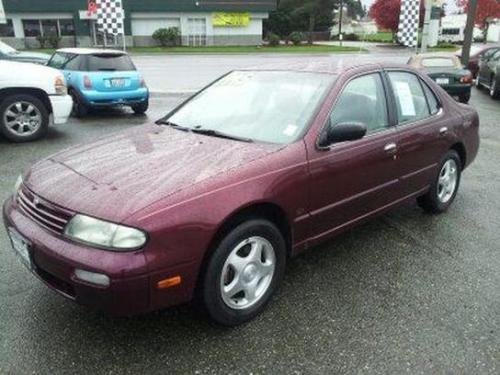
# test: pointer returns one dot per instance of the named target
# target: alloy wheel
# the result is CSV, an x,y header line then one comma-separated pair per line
x,y
447,180
247,273
22,118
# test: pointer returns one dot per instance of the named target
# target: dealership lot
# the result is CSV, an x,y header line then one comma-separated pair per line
x,y
407,292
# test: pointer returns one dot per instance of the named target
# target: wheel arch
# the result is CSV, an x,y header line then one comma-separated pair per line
x,y
462,153
261,210
36,92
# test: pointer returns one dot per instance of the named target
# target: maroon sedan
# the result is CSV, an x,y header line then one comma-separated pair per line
x,y
478,52
212,200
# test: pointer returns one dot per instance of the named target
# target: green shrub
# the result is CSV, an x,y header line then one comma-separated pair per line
x,y
273,39
42,40
167,36
54,41
296,38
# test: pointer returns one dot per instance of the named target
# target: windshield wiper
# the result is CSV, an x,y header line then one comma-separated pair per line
x,y
216,133
173,125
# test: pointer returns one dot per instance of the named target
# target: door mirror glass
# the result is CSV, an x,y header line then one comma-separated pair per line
x,y
345,131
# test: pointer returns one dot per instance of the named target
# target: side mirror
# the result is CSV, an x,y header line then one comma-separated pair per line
x,y
343,132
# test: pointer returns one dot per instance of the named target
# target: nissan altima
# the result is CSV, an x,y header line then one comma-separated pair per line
x,y
210,201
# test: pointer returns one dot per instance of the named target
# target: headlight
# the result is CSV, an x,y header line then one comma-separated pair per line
x,y
102,233
60,86
18,184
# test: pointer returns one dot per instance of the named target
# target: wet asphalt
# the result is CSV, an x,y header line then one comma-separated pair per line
x,y
405,293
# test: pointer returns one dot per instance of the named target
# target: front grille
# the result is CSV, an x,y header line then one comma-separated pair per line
x,y
42,212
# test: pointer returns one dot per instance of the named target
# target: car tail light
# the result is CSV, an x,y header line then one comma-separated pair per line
x,y
466,79
60,86
143,82
87,83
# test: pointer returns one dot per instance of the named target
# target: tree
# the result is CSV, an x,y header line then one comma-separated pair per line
x,y
486,9
301,15
385,13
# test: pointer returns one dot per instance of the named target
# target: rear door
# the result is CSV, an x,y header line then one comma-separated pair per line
x,y
484,75
422,129
350,180
112,72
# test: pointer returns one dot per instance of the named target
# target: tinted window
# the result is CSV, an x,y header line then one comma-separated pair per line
x,y
410,100
362,100
31,28
431,99
67,27
489,52
57,60
6,29
267,106
49,27
73,63
109,62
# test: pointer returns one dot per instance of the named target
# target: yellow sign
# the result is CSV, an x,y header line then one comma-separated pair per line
x,y
222,19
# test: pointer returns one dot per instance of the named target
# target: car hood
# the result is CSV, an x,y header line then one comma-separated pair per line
x,y
123,173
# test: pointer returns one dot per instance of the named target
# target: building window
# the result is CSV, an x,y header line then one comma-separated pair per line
x,y
63,27
66,28
6,29
31,28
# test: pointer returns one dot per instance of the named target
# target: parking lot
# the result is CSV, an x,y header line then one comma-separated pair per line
x,y
407,292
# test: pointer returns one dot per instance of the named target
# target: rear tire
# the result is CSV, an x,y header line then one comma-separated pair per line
x,y
23,118
141,108
464,98
445,185
243,272
79,109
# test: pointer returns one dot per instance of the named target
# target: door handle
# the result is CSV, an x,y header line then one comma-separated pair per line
x,y
390,147
443,130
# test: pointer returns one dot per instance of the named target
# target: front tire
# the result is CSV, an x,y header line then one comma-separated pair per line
x,y
494,88
445,185
23,118
244,272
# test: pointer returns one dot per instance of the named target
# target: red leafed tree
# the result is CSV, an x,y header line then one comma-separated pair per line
x,y
485,9
385,13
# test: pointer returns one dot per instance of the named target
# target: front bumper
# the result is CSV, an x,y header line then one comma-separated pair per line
x,y
61,108
55,259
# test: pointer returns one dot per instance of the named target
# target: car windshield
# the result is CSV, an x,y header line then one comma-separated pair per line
x,y
265,106
439,62
110,62
6,49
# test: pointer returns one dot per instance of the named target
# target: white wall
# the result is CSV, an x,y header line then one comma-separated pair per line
x,y
493,33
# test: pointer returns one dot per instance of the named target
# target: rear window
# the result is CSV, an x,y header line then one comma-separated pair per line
x,y
439,62
109,62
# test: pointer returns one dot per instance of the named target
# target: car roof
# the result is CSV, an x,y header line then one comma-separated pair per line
x,y
91,51
333,67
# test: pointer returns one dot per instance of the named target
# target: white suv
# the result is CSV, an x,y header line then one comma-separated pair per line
x,y
31,97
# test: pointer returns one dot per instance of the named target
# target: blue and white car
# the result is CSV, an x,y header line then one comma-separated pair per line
x,y
101,78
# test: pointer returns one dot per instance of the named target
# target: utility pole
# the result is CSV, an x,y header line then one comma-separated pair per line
x,y
469,30
427,20
340,21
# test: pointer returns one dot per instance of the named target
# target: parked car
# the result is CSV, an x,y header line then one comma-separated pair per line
x,y
212,200
9,53
476,53
31,97
489,74
101,78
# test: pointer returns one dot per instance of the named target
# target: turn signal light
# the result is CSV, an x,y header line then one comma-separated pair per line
x,y
87,83
168,283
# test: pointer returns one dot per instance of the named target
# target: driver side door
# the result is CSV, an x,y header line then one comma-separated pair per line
x,y
352,180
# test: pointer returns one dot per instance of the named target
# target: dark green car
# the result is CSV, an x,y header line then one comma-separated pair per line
x,y
447,71
9,53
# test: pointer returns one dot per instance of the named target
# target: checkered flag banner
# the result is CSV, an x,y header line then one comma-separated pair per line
x,y
408,22
110,16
